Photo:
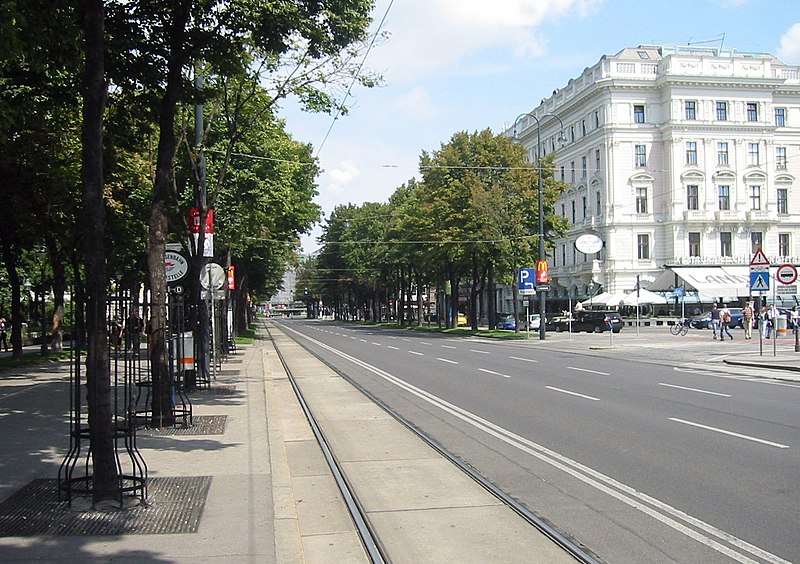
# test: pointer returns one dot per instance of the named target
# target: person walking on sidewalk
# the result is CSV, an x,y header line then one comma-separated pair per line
x,y
747,320
724,322
4,333
715,320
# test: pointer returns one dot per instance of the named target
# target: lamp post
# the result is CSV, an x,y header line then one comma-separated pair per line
x,y
540,201
42,252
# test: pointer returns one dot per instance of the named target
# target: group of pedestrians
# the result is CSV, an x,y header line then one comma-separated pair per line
x,y
766,320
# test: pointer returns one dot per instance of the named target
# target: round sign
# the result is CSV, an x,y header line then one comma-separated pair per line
x,y
786,274
212,276
589,243
176,265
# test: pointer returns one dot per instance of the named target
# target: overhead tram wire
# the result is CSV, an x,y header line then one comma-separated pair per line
x,y
358,73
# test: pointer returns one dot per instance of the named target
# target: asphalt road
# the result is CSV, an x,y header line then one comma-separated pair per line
x,y
655,452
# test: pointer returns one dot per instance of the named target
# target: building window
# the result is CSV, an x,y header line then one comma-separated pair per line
x,y
583,204
722,153
572,171
722,111
583,168
694,244
638,113
597,119
583,128
756,240
562,174
724,198
573,212
572,133
640,158
641,200
752,111
597,161
783,200
752,154
725,246
563,255
780,158
597,205
563,210
780,117
691,153
643,246
755,197
690,108
783,245
692,197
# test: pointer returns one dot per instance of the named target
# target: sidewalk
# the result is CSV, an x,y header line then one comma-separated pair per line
x,y
248,482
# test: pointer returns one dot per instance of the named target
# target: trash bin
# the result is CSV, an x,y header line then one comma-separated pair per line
x,y
781,327
183,359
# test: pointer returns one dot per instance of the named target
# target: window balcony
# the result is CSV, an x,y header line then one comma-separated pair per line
x,y
729,215
760,215
697,215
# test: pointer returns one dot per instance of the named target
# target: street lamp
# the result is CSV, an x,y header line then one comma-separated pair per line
x,y
42,252
561,140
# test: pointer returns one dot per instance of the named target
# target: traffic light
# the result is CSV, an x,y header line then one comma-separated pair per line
x,y
305,291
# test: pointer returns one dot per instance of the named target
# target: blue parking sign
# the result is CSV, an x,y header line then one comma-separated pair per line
x,y
527,278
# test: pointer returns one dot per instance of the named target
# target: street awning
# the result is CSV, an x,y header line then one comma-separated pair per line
x,y
727,281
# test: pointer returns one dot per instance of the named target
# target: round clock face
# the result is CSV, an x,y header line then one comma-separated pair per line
x,y
589,244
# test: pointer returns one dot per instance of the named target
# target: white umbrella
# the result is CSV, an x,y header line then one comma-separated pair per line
x,y
644,297
606,299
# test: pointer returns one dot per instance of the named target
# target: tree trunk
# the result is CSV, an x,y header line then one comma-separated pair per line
x,y
159,224
98,381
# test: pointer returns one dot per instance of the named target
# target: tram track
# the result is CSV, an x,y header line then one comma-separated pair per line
x,y
368,533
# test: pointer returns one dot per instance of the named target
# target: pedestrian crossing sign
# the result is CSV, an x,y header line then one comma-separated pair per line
x,y
759,281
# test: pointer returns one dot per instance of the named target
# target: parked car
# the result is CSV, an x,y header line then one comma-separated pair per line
x,y
461,320
508,322
703,321
591,322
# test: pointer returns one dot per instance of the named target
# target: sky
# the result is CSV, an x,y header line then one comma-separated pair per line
x,y
467,65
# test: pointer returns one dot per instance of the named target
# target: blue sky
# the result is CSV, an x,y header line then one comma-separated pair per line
x,y
465,65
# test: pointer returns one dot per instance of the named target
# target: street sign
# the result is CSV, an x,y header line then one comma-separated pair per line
x,y
527,279
759,281
759,259
786,274
786,290
543,287
176,266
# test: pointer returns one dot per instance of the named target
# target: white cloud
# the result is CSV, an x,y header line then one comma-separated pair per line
x,y
415,103
789,51
341,176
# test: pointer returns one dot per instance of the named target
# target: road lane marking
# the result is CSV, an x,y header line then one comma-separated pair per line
x,y
587,370
424,343
694,390
479,352
376,344
448,347
416,353
446,360
522,359
731,433
493,373
572,393
393,348
692,527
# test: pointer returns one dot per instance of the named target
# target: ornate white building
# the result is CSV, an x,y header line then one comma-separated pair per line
x,y
674,156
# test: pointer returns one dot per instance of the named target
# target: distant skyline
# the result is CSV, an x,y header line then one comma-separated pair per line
x,y
468,65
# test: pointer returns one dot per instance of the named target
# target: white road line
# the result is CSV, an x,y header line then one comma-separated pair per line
x,y
493,373
571,393
363,340
416,353
479,352
694,390
692,527
424,343
448,347
393,348
587,370
446,360
376,344
731,433
522,359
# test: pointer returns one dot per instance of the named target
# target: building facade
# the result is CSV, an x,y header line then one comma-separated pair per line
x,y
673,156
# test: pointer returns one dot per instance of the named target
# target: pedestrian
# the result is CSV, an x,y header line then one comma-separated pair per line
x,y
747,320
764,322
715,320
133,330
3,333
794,319
724,322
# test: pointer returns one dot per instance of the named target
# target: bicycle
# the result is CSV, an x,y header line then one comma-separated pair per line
x,y
680,328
